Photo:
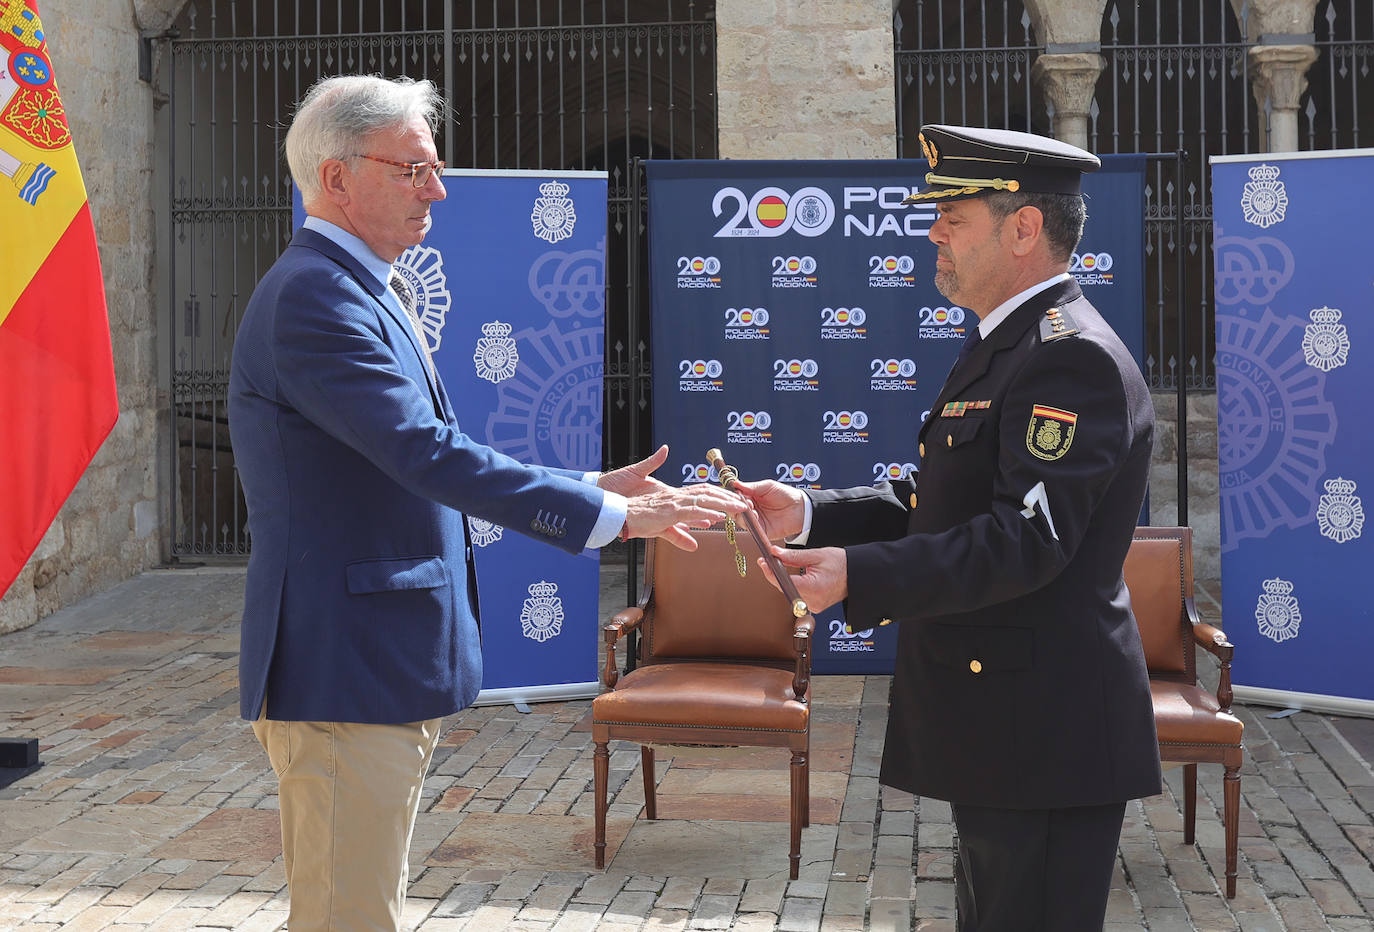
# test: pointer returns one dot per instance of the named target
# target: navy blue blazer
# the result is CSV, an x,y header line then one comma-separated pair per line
x,y
359,606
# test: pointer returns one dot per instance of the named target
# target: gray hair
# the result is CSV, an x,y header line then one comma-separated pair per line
x,y
337,113
1064,216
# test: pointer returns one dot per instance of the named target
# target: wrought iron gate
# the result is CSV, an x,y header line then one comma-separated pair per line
x,y
581,84
1176,80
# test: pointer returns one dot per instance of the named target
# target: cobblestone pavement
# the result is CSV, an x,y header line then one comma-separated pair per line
x,y
155,808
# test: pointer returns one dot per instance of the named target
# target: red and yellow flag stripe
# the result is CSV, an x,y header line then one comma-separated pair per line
x,y
57,390
1057,414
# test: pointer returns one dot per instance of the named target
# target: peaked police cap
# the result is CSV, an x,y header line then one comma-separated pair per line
x,y
967,161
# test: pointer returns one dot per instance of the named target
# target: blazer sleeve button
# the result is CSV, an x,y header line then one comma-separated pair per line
x,y
976,666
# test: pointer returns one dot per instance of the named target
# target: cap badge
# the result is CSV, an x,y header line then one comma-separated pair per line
x,y
929,149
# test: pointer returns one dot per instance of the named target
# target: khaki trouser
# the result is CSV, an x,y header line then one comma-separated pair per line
x,y
348,796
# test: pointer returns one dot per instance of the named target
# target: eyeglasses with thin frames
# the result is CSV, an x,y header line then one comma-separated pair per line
x,y
419,171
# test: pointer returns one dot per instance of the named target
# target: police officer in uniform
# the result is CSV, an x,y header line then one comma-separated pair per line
x,y
1020,692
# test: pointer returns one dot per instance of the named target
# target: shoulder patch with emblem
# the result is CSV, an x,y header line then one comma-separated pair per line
x,y
1050,432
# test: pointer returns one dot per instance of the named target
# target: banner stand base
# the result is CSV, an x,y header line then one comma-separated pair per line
x,y
556,692
1312,702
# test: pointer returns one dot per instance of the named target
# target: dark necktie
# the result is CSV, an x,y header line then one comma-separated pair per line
x,y
406,296
972,340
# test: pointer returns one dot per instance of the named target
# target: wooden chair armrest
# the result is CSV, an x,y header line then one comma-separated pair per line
x,y
801,644
621,623
1214,641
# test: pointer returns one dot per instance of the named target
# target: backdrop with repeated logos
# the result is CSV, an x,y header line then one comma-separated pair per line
x,y
795,325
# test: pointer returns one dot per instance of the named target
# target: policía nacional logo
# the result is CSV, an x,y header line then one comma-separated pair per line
x,y
541,617
1340,513
1050,432
845,640
1277,612
1325,342
483,532
1274,426
553,216
495,356
772,211
1264,200
1251,271
422,267
550,411
570,284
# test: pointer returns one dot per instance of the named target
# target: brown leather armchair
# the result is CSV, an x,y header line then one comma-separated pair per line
x,y
1193,724
722,661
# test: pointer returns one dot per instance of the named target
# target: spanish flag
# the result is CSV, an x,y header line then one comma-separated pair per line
x,y
57,390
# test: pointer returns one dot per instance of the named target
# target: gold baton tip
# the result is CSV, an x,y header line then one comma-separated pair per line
x,y
712,455
798,608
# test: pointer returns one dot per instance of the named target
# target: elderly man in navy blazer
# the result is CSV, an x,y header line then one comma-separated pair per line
x,y
360,618
1019,692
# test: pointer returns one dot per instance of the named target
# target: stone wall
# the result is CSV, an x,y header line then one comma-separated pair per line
x,y
111,527
805,79
1204,510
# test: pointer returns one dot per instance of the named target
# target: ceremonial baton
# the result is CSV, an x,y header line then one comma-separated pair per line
x,y
728,476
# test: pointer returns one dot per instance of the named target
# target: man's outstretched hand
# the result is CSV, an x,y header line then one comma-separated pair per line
x,y
635,479
659,510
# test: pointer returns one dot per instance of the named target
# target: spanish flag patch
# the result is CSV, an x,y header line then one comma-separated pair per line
x,y
1050,432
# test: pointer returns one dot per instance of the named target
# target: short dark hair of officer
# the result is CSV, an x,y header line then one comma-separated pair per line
x,y
1009,170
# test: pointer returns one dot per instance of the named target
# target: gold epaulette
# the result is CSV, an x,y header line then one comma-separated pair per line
x,y
1055,324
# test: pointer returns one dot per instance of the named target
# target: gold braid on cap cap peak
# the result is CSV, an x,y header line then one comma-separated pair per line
x,y
998,184
963,186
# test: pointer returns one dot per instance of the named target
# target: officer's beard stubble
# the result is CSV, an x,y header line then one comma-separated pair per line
x,y
946,279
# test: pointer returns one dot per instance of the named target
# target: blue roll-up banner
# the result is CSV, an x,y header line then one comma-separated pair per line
x,y
511,284
796,325
1295,427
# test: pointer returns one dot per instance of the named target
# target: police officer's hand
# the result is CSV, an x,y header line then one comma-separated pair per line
x,y
824,577
634,479
779,506
671,513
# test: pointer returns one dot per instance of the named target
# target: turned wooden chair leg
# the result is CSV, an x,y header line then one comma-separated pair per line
x,y
1189,802
646,756
601,765
806,791
1231,794
798,800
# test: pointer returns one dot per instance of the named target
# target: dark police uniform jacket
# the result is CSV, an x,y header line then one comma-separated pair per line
x,y
1020,680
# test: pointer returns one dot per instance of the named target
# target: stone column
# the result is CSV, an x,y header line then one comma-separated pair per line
x,y
808,80
1069,80
1278,76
